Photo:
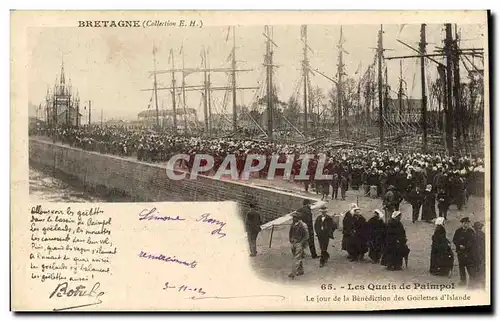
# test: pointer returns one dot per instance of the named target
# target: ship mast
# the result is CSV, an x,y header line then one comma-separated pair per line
x,y
156,88
233,65
174,111
380,85
305,70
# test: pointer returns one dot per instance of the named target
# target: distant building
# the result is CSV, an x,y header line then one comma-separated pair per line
x,y
61,105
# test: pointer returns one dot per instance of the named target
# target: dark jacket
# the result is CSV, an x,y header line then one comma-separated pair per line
x,y
253,221
466,238
306,216
324,228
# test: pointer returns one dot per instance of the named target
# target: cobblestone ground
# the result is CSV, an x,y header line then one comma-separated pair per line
x,y
274,259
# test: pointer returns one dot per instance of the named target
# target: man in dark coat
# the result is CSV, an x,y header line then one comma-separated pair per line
x,y
443,200
335,185
466,247
376,230
415,198
347,227
395,246
253,223
324,227
390,201
306,217
344,185
429,205
481,262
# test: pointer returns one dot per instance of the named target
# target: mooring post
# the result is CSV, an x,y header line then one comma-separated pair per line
x,y
271,237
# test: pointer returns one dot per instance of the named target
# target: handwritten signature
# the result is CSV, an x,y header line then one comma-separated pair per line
x,y
153,215
149,215
205,218
64,290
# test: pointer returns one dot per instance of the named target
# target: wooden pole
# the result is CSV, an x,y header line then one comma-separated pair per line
x,y
174,110
339,85
235,115
449,100
380,88
269,67
156,89
423,45
304,75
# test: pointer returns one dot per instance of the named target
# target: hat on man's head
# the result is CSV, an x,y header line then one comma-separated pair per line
x,y
354,207
296,214
306,202
439,221
323,208
396,214
478,225
379,213
465,220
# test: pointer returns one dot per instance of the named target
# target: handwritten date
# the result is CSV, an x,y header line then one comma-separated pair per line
x,y
184,288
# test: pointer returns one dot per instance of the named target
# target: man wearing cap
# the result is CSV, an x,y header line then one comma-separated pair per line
x,y
480,239
306,217
376,230
415,198
253,223
324,227
395,246
298,236
466,247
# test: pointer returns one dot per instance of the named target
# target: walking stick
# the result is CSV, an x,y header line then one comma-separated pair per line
x,y
271,237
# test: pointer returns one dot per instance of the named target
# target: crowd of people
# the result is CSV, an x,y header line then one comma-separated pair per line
x,y
384,241
349,167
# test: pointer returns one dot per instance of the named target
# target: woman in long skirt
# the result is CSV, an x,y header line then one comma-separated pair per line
x,y
429,205
441,253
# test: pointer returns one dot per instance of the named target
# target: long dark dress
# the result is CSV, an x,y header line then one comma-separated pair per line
x,y
356,244
429,206
441,253
376,230
346,229
395,246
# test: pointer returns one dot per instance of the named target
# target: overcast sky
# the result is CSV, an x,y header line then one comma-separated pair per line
x,y
110,66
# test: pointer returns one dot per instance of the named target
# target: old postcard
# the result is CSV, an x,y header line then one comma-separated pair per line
x,y
249,161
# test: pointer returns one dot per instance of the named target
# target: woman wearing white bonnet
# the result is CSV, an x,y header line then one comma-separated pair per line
x,y
439,221
441,254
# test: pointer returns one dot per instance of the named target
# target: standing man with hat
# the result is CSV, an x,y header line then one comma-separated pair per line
x,y
306,217
298,238
480,240
252,223
324,227
466,247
